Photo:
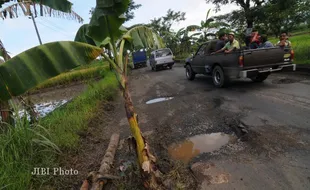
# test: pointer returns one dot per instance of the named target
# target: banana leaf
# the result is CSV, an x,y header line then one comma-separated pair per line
x,y
60,9
82,37
63,5
107,20
142,37
34,66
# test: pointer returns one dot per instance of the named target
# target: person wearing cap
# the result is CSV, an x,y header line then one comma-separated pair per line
x,y
231,45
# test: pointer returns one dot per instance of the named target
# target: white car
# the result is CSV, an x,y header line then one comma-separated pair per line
x,y
161,58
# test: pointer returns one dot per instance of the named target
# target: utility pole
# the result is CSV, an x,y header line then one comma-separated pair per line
x,y
35,26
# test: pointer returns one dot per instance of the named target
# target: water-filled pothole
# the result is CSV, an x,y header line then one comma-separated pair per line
x,y
43,108
156,100
198,144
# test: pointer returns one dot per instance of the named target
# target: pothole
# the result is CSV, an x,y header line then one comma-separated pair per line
x,y
156,100
198,144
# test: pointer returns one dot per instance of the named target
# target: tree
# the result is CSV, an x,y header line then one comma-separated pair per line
x,y
129,14
249,8
271,18
163,24
277,17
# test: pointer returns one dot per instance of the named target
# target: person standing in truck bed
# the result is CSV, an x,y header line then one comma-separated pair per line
x,y
231,45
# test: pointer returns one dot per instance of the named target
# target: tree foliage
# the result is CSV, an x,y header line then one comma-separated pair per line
x,y
164,23
271,18
248,7
129,13
162,26
277,17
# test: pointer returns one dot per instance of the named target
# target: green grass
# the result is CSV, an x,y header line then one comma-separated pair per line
x,y
64,123
82,73
300,44
24,147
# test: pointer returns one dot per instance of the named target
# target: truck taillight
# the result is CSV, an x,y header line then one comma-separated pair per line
x,y
292,55
241,61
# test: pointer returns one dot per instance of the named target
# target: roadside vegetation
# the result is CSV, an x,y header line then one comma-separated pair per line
x,y
81,74
25,146
300,43
67,121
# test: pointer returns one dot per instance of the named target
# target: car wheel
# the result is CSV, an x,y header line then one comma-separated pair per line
x,y
190,74
260,77
218,77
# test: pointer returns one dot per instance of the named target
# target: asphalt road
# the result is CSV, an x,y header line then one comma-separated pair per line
x,y
276,115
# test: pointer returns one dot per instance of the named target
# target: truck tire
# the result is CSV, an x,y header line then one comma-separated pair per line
x,y
218,77
190,74
260,77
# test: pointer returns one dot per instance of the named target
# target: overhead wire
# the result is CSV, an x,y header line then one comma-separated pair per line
x,y
54,29
52,24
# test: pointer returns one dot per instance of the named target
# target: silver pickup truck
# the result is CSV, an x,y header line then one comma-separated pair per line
x,y
256,64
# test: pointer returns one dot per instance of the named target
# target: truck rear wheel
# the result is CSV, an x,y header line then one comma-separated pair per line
x,y
218,77
260,77
190,74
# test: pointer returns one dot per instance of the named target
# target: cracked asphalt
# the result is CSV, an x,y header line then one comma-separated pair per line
x,y
276,114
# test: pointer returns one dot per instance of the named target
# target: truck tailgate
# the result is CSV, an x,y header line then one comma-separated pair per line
x,y
257,58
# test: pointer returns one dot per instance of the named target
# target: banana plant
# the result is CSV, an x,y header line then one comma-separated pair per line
x,y
206,25
105,29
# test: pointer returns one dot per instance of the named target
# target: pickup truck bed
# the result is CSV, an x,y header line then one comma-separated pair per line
x,y
255,64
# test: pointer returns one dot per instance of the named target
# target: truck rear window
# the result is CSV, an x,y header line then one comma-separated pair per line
x,y
163,53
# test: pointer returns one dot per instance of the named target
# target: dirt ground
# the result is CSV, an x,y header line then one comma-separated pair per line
x,y
271,120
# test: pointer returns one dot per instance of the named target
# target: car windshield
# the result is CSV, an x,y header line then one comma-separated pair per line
x,y
163,53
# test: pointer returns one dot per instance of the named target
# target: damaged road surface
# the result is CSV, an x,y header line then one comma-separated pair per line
x,y
268,128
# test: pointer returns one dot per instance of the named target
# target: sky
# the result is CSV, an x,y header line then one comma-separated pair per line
x,y
19,34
